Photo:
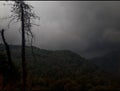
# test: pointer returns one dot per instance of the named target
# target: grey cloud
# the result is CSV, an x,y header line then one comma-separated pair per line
x,y
88,28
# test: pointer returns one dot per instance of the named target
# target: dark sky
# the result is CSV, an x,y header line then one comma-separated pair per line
x,y
89,28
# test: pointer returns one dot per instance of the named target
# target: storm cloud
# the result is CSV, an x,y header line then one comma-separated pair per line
x,y
89,28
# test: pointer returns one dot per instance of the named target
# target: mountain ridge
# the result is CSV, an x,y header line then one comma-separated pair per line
x,y
51,62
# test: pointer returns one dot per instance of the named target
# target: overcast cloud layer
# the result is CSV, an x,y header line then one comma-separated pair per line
x,y
88,28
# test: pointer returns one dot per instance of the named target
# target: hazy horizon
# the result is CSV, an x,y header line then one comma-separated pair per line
x,y
87,28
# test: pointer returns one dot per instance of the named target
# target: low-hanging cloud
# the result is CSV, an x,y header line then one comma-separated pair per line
x,y
88,28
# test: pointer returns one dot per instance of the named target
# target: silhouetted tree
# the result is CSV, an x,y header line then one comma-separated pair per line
x,y
9,71
6,47
24,13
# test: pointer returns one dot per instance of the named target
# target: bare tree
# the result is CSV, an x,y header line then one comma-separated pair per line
x,y
8,52
10,72
6,47
23,12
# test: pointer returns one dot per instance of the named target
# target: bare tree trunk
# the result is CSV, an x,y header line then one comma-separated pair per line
x,y
7,48
10,65
23,51
23,12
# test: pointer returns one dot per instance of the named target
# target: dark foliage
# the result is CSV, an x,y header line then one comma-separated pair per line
x,y
9,73
64,71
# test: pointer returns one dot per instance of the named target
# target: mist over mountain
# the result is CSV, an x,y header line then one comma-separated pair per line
x,y
87,28
75,48
110,62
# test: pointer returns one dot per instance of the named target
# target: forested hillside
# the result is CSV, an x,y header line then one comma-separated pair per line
x,y
64,70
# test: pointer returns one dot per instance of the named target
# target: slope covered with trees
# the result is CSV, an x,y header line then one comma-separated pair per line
x,y
110,62
63,70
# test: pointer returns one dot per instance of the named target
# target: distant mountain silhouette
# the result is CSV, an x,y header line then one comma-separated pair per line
x,y
49,62
110,62
58,70
59,62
